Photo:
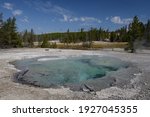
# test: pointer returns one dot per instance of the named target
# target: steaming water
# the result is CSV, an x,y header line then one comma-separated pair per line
x,y
60,71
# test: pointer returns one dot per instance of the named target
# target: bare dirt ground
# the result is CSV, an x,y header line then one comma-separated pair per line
x,y
131,83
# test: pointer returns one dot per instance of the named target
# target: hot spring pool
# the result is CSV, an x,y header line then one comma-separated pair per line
x,y
55,71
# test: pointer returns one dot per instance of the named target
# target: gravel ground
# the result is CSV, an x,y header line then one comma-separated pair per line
x,y
131,83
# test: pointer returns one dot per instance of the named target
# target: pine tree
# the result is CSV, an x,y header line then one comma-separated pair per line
x,y
10,37
25,39
67,37
1,31
101,34
15,41
113,36
135,32
122,34
45,43
31,38
82,36
147,31
1,20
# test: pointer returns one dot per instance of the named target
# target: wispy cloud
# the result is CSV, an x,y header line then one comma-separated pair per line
x,y
17,12
64,14
118,20
90,19
80,19
25,19
69,17
47,7
8,6
61,11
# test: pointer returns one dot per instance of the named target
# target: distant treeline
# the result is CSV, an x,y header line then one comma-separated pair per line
x,y
93,34
9,37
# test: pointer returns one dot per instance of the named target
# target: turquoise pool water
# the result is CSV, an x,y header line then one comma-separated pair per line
x,y
73,70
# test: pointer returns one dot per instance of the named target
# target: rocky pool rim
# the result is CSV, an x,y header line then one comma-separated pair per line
x,y
72,87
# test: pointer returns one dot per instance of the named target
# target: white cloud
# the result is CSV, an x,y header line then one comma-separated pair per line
x,y
127,20
75,19
80,19
90,19
118,20
17,12
8,6
61,11
25,19
66,18
47,7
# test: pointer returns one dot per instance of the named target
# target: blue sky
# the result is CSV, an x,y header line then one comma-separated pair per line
x,y
59,15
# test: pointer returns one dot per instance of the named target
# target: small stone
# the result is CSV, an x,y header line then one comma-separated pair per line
x,y
145,83
46,49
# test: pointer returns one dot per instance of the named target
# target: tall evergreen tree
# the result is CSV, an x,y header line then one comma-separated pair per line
x,y
25,39
15,41
135,32
113,36
9,36
122,34
67,37
1,31
45,43
1,20
147,31
82,35
31,38
101,34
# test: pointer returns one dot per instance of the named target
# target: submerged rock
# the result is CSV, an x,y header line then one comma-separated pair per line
x,y
19,76
88,89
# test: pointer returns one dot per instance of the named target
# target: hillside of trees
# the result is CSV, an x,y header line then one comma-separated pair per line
x,y
135,31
